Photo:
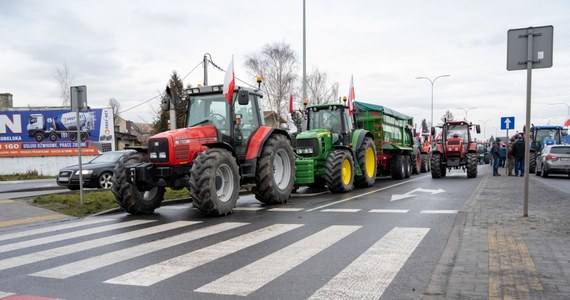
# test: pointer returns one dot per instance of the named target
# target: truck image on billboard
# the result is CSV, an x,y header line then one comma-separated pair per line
x,y
53,132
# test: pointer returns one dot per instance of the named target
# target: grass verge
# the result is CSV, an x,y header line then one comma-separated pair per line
x,y
31,174
93,201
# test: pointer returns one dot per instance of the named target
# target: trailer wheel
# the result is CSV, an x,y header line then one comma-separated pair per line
x,y
397,167
472,163
275,175
83,136
72,136
424,163
214,182
133,200
407,166
339,173
436,167
39,137
366,156
52,137
532,163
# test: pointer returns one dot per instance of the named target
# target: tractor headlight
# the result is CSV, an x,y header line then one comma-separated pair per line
x,y
162,155
153,155
304,151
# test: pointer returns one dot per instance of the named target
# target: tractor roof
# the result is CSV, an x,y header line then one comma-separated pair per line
x,y
327,105
459,123
548,127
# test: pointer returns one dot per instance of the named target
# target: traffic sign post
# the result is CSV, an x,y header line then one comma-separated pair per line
x,y
529,48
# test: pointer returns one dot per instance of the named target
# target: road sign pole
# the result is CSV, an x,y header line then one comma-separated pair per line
x,y
527,121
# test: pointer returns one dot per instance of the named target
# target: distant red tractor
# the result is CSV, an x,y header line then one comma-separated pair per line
x,y
424,143
224,145
455,148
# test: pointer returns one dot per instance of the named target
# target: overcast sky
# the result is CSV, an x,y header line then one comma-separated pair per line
x,y
128,50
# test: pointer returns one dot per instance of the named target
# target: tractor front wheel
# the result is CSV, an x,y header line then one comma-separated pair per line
x,y
129,197
436,167
275,174
472,162
424,163
339,173
532,163
366,156
214,182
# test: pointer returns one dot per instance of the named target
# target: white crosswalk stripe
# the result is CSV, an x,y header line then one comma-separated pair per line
x,y
65,225
74,248
270,267
110,258
169,268
371,273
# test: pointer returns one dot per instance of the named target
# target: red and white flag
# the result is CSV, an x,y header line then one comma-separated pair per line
x,y
229,82
351,97
290,102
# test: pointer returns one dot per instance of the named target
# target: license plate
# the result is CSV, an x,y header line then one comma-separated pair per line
x,y
565,158
63,179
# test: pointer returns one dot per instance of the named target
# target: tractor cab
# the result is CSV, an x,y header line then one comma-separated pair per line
x,y
333,118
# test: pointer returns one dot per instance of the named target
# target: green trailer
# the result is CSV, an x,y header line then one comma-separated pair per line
x,y
332,152
393,136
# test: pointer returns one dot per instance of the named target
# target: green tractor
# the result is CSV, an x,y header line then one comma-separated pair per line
x,y
333,152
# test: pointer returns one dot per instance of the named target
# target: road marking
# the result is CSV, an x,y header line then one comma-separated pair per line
x,y
409,194
96,262
370,274
441,211
341,210
51,228
286,209
248,208
68,235
32,220
512,273
75,248
365,194
248,279
396,211
172,267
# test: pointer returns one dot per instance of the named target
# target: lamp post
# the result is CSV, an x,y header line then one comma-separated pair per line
x,y
567,106
484,127
432,81
466,110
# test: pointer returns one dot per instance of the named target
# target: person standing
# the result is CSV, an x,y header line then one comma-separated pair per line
x,y
510,157
502,155
495,151
518,154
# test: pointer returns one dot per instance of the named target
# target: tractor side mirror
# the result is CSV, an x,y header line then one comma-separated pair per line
x,y
243,97
478,128
433,131
165,104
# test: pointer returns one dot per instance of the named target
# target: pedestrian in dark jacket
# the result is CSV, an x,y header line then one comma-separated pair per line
x,y
502,155
518,154
495,151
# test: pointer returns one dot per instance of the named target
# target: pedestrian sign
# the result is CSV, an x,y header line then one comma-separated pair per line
x,y
507,123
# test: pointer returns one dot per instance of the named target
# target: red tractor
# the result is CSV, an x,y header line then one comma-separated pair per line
x,y
424,143
224,145
455,149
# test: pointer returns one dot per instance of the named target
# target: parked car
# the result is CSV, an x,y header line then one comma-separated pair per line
x,y
554,159
97,173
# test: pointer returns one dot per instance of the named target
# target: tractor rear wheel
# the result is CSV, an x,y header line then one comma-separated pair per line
x,y
366,156
436,167
132,199
472,162
532,163
275,174
424,162
339,173
214,182
397,167
417,163
408,166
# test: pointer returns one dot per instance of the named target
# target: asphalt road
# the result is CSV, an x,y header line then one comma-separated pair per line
x,y
382,242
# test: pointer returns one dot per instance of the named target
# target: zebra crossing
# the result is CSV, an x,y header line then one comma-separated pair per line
x,y
366,277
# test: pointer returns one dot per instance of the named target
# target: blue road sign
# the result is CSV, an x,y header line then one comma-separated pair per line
x,y
507,123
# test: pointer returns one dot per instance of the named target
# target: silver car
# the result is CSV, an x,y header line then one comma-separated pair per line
x,y
554,159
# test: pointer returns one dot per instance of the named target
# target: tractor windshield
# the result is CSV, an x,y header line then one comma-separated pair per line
x,y
542,134
209,109
325,118
458,131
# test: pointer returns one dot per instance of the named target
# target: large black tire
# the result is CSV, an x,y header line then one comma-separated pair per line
x,y
128,196
424,165
275,175
407,166
416,163
532,163
436,167
366,156
397,167
214,182
472,162
339,172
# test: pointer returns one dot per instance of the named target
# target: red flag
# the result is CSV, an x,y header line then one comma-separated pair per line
x,y
351,96
229,82
290,102
567,123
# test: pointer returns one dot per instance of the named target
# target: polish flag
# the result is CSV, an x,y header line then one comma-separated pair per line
x,y
229,82
290,102
351,96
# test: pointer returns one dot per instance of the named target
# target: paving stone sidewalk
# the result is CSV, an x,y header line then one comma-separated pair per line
x,y
496,253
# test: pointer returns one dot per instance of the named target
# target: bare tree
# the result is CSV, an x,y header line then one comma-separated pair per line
x,y
277,64
65,79
447,116
319,91
116,107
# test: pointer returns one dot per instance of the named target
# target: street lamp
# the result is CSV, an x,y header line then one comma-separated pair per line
x,y
432,82
567,106
466,110
484,127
